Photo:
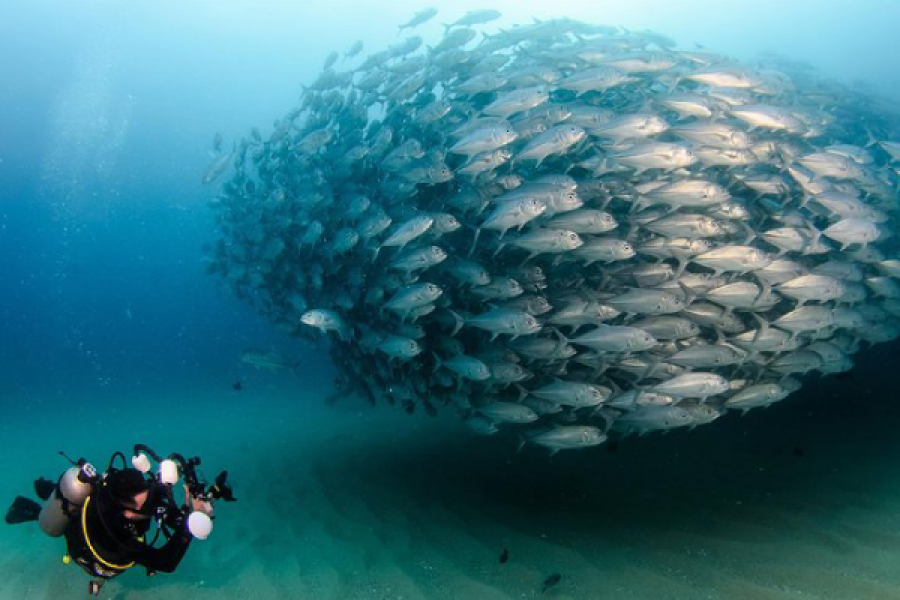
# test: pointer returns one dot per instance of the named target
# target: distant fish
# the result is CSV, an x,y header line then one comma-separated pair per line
x,y
216,168
504,556
267,360
475,17
420,17
551,581
331,59
355,49
237,386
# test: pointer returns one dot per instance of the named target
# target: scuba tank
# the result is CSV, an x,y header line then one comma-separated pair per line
x,y
72,489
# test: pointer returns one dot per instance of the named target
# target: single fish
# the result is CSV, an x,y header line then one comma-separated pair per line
x,y
551,581
423,16
271,361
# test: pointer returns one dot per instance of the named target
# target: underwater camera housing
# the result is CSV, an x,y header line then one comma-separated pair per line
x,y
176,465
169,471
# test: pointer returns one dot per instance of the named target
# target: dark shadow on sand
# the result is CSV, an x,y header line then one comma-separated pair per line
x,y
737,471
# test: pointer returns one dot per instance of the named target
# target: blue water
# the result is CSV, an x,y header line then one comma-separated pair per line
x,y
113,334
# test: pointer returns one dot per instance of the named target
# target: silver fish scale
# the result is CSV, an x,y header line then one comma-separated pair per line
x,y
589,214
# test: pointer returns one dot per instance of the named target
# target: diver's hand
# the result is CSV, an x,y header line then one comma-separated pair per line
x,y
204,506
200,504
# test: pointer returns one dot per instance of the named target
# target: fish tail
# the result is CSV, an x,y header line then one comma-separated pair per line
x,y
458,321
474,242
763,326
871,139
523,393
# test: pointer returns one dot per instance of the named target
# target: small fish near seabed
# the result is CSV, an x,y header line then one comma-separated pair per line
x,y
551,581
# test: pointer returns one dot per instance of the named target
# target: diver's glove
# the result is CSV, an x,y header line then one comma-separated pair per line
x,y
204,505
200,514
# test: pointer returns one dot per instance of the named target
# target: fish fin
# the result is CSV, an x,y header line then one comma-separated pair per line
x,y
720,336
651,368
815,233
763,326
458,321
871,140
751,235
615,388
523,393
562,340
632,229
675,84
764,290
689,294
637,206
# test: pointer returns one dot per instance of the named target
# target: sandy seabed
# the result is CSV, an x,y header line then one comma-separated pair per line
x,y
348,502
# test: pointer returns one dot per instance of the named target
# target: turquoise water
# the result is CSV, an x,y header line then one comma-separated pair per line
x,y
800,500
112,334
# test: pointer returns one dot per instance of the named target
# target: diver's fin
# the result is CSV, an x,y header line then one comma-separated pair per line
x,y
44,488
23,510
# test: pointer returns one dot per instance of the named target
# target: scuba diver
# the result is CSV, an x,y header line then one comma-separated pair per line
x,y
108,519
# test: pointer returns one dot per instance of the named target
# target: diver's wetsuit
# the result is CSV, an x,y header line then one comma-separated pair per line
x,y
116,543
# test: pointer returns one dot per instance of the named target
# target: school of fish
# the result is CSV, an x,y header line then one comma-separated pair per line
x,y
567,230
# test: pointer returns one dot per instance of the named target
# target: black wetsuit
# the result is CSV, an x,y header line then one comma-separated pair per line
x,y
116,542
